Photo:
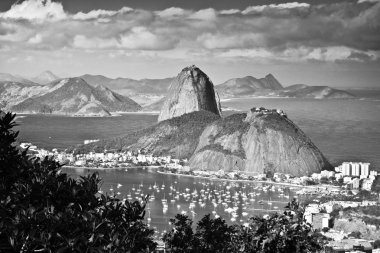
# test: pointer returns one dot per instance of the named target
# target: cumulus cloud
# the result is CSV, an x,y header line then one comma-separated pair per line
x,y
230,11
96,14
260,8
81,41
35,10
370,1
35,39
323,32
205,14
171,12
142,38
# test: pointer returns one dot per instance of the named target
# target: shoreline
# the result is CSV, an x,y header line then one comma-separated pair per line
x,y
310,187
241,180
107,168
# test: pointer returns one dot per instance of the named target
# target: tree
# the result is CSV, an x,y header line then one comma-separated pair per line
x,y
376,244
181,237
44,210
276,233
376,185
287,232
214,235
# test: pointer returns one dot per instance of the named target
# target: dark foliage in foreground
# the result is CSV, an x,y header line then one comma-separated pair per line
x,y
282,233
44,210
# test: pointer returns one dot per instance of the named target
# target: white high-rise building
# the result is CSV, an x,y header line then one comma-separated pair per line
x,y
364,169
346,169
355,169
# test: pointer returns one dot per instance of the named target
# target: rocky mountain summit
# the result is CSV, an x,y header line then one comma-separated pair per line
x,y
257,142
190,91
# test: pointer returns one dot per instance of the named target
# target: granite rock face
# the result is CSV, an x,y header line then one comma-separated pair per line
x,y
256,143
190,91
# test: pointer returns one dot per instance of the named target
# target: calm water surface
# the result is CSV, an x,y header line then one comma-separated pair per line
x,y
207,196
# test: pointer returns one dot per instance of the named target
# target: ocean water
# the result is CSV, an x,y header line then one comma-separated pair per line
x,y
61,132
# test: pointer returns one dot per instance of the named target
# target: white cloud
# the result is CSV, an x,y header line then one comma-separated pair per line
x,y
221,41
370,1
260,8
282,29
205,14
95,14
230,11
142,38
35,10
35,39
171,12
81,41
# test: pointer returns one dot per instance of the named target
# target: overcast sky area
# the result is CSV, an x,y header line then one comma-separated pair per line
x,y
316,42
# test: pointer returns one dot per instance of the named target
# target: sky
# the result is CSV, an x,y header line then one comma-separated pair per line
x,y
315,42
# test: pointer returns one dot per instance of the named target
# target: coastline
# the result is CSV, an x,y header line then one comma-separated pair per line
x,y
240,180
106,168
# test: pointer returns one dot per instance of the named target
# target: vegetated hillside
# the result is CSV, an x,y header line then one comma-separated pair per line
x,y
178,137
45,77
127,86
319,92
191,90
248,86
256,144
74,96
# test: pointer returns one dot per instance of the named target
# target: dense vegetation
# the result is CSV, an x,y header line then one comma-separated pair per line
x,y
287,232
44,210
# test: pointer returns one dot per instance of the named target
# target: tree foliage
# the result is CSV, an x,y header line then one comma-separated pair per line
x,y
286,232
44,210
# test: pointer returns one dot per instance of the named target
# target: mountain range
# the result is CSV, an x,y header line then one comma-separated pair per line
x,y
70,96
32,95
269,86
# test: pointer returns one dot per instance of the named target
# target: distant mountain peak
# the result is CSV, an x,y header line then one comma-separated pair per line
x,y
45,77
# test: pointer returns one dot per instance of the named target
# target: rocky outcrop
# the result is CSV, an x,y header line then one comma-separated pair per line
x,y
256,143
190,91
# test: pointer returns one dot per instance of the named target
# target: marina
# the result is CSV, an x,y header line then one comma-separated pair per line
x,y
169,195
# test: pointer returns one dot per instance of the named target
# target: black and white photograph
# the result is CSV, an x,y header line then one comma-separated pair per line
x,y
190,126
